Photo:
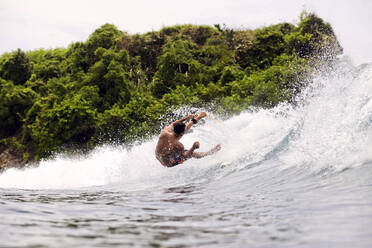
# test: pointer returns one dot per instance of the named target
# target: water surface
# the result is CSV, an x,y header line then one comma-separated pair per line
x,y
287,177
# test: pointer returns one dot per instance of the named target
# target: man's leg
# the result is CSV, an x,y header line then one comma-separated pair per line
x,y
192,154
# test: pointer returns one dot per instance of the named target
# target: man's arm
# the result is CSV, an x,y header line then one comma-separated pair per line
x,y
171,126
200,116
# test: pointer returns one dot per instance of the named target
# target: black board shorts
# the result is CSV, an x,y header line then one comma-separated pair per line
x,y
177,159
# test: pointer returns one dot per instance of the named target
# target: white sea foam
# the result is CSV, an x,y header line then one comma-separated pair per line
x,y
332,131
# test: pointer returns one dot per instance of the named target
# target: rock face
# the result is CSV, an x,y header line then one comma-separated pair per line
x,y
8,160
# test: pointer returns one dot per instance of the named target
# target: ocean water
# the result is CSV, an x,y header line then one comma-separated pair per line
x,y
293,176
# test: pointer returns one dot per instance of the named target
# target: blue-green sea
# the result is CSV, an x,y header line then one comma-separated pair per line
x,y
298,175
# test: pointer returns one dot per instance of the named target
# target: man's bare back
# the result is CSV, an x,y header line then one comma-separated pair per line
x,y
170,151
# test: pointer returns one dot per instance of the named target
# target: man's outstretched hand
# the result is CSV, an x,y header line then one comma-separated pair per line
x,y
189,117
201,115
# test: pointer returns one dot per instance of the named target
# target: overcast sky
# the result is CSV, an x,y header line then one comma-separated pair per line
x,y
32,24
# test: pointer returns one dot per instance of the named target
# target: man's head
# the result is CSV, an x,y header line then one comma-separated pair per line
x,y
179,128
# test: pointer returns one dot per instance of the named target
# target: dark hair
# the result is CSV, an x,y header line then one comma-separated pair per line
x,y
179,128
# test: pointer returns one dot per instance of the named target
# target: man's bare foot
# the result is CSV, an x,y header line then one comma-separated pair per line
x,y
215,149
218,147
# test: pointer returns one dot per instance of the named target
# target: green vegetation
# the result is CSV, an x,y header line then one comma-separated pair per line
x,y
117,87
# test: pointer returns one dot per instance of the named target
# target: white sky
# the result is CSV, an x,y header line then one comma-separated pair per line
x,y
32,24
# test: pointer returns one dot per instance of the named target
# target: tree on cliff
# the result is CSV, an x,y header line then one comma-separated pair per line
x,y
15,67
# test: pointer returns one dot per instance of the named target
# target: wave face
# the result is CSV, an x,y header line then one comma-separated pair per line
x,y
290,176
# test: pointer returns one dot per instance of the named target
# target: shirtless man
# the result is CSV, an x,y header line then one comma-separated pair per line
x,y
170,151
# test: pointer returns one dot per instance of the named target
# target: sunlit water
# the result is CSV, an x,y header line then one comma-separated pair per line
x,y
288,177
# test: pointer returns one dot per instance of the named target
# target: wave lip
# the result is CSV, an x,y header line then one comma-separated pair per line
x,y
335,133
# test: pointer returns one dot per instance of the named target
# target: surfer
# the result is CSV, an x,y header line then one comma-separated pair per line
x,y
170,151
